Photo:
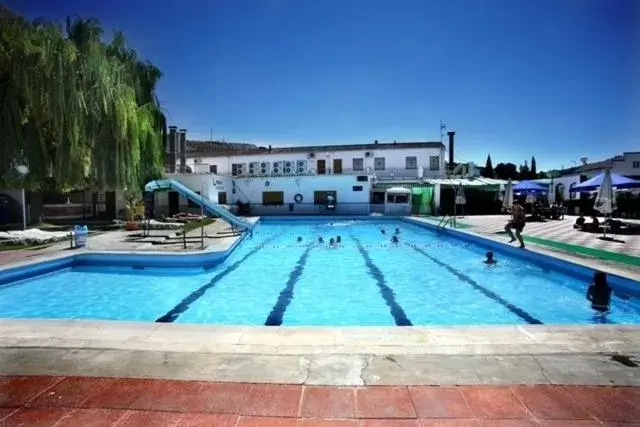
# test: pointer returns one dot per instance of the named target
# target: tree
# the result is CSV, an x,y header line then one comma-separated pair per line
x,y
524,172
506,171
534,172
78,111
542,175
487,172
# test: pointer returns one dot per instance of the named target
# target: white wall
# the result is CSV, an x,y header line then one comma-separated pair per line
x,y
249,190
395,160
626,166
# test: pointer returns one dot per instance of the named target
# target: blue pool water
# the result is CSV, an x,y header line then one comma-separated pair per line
x,y
428,279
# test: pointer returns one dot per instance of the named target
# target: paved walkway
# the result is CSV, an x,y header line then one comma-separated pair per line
x,y
561,231
78,401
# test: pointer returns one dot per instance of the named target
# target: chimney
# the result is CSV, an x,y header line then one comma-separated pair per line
x,y
171,151
183,150
451,135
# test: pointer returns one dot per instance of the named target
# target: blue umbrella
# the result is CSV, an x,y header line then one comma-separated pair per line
x,y
617,181
528,187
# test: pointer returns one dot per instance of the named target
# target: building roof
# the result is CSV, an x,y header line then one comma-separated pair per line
x,y
203,152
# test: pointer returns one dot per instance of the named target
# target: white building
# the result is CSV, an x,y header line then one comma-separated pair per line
x,y
626,164
410,160
300,179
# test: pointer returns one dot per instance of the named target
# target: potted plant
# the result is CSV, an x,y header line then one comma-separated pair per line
x,y
130,213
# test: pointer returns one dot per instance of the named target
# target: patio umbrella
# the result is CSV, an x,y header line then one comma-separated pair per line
x,y
606,199
460,199
528,187
617,181
507,201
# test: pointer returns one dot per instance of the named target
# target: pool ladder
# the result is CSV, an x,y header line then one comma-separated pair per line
x,y
447,219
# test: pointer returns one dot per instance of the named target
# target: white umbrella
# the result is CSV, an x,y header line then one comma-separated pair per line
x,y
507,201
606,199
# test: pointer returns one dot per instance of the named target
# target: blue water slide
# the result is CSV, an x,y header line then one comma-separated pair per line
x,y
208,205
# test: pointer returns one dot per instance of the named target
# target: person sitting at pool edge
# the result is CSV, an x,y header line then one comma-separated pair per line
x,y
516,223
490,259
599,292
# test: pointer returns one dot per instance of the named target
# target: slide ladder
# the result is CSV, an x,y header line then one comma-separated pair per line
x,y
192,196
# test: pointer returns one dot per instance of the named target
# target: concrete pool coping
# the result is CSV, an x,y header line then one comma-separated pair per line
x,y
346,356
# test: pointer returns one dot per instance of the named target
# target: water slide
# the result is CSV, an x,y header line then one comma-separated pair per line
x,y
209,206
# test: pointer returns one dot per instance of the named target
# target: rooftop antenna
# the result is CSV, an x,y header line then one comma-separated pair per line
x,y
443,130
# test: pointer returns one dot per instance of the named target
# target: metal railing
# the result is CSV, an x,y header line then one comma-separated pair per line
x,y
261,209
447,220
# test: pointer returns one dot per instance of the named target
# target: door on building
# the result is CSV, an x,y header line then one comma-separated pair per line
x,y
322,167
337,166
104,205
174,203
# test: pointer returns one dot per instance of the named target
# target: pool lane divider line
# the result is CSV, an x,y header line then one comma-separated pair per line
x,y
488,293
276,316
184,305
389,296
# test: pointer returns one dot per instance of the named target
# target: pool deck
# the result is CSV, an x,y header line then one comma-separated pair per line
x,y
64,372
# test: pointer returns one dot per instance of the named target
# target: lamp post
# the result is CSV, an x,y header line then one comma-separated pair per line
x,y
23,170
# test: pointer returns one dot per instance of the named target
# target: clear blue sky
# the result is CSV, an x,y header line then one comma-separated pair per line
x,y
557,79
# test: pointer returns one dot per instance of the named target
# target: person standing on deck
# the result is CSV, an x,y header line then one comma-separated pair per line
x,y
516,223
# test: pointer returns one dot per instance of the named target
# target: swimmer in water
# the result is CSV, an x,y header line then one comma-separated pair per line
x,y
599,293
320,239
383,231
332,243
395,240
338,240
490,259
397,230
299,239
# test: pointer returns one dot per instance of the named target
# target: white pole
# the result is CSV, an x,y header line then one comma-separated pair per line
x,y
24,210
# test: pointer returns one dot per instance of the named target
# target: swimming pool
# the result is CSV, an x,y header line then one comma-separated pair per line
x,y
430,278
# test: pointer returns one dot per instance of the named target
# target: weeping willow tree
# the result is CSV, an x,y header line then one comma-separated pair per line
x,y
77,111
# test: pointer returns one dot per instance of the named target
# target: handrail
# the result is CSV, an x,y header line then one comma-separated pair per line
x,y
447,219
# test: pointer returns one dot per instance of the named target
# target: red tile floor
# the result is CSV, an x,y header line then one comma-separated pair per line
x,y
84,401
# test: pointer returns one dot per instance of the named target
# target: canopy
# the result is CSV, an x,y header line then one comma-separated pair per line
x,y
398,190
617,181
528,187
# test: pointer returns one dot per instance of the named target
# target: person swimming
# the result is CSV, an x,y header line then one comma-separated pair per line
x,y
395,240
338,239
332,243
299,239
397,230
382,230
320,239
490,259
599,292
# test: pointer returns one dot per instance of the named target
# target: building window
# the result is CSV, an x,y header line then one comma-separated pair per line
x,y
411,162
434,163
213,168
397,198
273,197
357,188
222,198
378,163
636,165
320,197
358,164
